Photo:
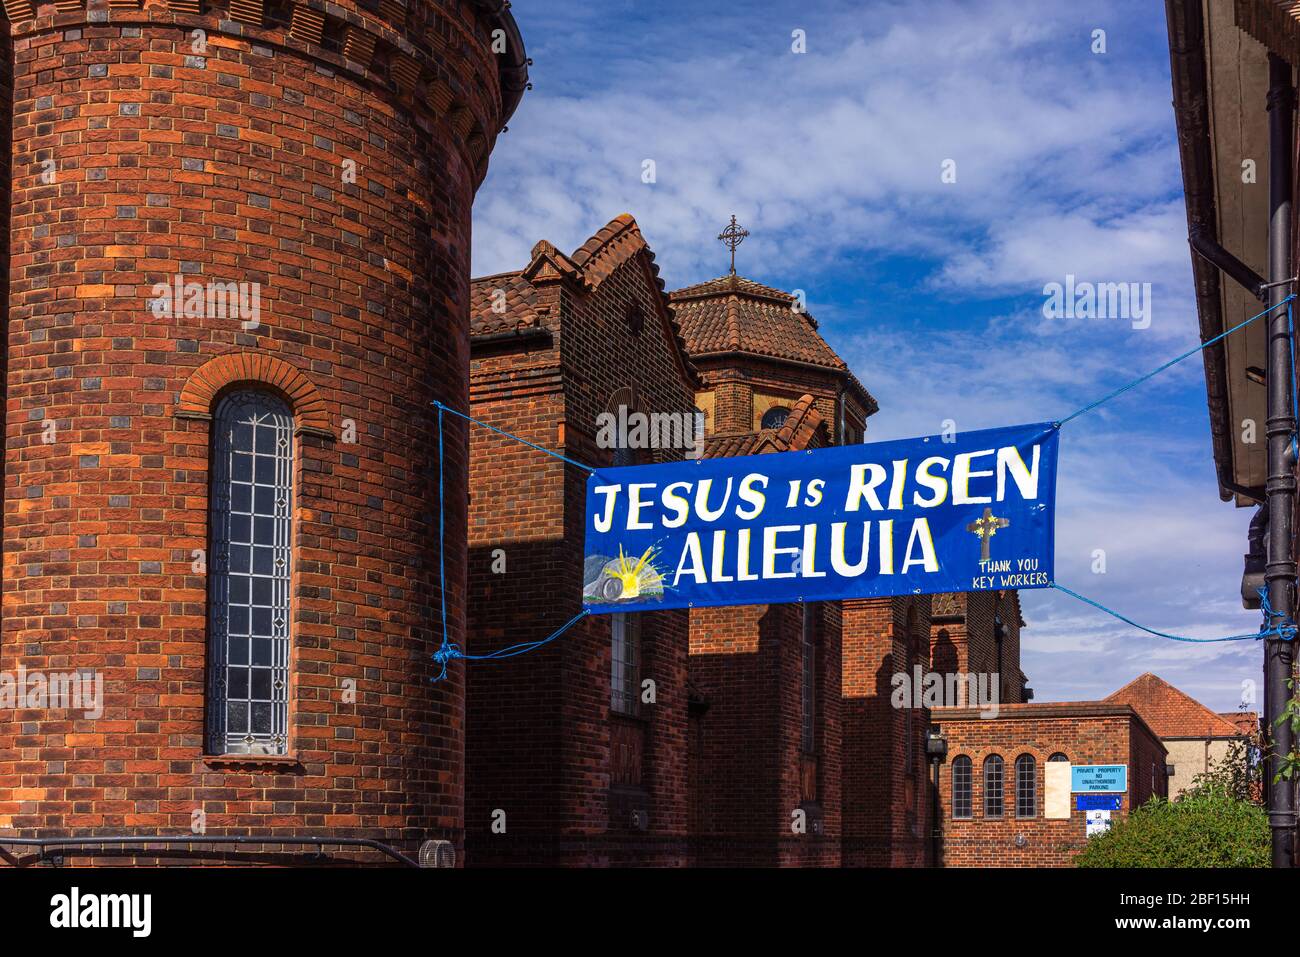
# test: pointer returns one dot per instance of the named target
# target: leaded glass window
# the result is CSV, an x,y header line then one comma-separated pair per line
x,y
775,417
993,786
961,787
1026,786
251,521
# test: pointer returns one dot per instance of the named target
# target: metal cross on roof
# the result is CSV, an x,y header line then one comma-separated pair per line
x,y
732,237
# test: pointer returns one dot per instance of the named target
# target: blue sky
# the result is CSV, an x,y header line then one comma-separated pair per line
x,y
1066,164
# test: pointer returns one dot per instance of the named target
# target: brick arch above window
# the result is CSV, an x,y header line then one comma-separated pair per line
x,y
216,376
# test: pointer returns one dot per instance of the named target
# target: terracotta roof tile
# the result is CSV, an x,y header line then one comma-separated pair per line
x,y
734,314
1170,712
520,299
1247,722
723,445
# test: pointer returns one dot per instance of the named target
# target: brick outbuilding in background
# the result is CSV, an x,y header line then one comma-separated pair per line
x,y
1021,739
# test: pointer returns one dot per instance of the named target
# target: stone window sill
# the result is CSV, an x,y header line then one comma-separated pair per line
x,y
253,762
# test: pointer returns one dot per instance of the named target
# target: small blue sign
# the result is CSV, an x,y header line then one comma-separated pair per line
x,y
1094,778
1099,802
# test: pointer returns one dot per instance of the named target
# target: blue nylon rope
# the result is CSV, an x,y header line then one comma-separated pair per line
x,y
449,651
509,435
1286,629
1172,362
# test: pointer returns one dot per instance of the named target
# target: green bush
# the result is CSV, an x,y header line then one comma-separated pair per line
x,y
1206,827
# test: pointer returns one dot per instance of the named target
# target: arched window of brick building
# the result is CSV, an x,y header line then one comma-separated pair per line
x,y
1058,756
993,786
1026,786
775,417
624,403
961,787
251,522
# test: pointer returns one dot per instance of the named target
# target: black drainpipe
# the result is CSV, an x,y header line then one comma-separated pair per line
x,y
1203,243
1280,489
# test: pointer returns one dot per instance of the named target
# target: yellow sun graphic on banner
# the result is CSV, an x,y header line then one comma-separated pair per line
x,y
636,574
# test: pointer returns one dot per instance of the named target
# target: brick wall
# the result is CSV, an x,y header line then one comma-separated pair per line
x,y
747,388
963,639
228,164
541,736
887,796
746,663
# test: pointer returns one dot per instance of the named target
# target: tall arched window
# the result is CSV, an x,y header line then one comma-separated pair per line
x,y
1026,786
961,787
993,786
251,518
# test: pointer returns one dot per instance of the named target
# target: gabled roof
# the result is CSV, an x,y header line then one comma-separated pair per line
x,y
591,263
796,433
732,314
1171,713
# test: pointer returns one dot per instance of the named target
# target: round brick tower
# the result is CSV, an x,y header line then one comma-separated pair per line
x,y
213,199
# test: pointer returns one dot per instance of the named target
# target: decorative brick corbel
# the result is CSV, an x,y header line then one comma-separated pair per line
x,y
17,10
247,11
307,24
440,98
405,72
358,45
462,121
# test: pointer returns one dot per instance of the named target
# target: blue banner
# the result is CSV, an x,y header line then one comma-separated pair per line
x,y
970,512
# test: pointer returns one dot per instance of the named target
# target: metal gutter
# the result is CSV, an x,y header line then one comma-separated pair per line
x,y
1191,112
514,62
